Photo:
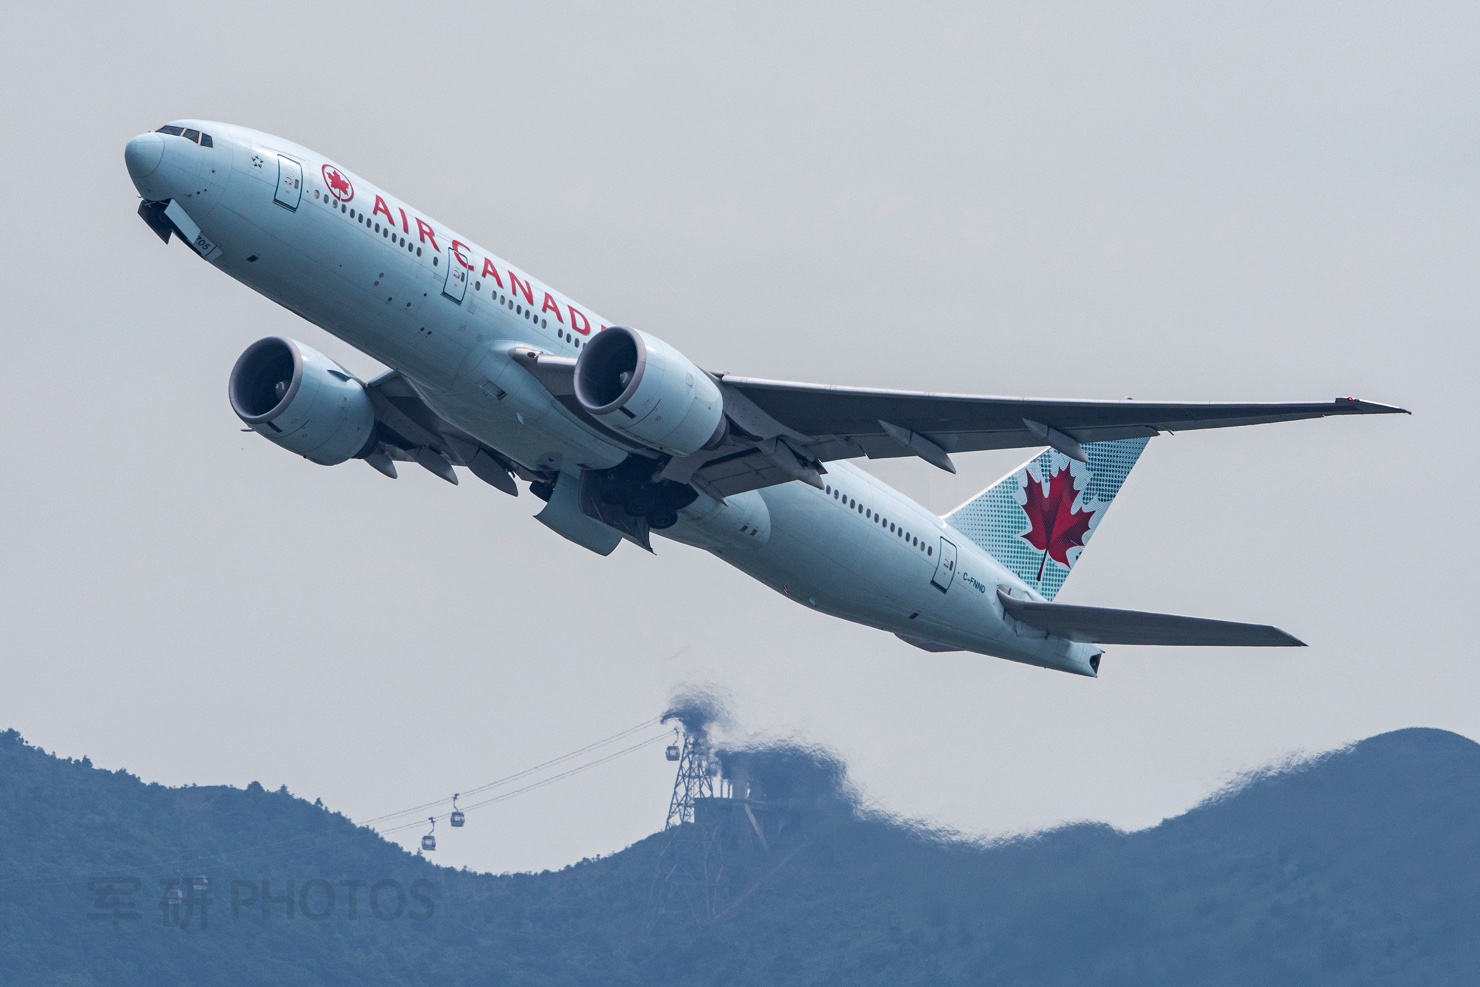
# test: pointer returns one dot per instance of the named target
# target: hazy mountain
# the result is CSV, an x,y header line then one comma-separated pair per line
x,y
1360,867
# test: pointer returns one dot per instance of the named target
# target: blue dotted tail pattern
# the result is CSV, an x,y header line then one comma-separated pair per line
x,y
1040,537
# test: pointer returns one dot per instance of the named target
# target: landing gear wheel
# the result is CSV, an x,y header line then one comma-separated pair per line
x,y
662,517
641,503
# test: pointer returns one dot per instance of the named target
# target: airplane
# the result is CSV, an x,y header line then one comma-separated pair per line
x,y
622,436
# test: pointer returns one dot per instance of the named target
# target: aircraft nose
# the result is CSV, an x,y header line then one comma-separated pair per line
x,y
142,155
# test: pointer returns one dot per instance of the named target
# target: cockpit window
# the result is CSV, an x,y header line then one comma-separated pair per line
x,y
195,136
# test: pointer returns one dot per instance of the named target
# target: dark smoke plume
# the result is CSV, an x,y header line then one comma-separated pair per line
x,y
698,710
793,776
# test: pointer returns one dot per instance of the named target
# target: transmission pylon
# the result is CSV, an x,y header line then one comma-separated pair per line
x,y
698,771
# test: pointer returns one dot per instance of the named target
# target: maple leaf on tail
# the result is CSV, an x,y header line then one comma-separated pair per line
x,y
1054,526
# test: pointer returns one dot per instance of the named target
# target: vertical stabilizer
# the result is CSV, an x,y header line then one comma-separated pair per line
x,y
1037,519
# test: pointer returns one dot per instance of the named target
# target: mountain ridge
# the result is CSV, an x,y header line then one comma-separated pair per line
x,y
1357,866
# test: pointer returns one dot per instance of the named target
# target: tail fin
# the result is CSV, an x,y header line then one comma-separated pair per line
x,y
1037,519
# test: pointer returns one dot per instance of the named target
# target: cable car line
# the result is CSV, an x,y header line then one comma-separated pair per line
x,y
543,781
190,851
518,774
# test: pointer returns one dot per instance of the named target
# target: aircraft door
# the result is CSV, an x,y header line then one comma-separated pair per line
x,y
290,183
945,568
456,285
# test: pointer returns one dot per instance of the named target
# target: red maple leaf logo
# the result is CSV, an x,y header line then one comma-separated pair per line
x,y
339,186
1054,526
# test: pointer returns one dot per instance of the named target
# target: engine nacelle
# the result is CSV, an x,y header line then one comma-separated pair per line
x,y
302,400
639,385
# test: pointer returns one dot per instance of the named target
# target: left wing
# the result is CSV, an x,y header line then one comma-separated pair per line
x,y
969,423
819,423
783,430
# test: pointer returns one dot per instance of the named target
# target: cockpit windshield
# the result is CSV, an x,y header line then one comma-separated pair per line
x,y
194,136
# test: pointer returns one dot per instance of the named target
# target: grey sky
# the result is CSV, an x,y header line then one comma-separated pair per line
x,y
1170,200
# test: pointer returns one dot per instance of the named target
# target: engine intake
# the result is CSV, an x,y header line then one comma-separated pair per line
x,y
640,385
303,401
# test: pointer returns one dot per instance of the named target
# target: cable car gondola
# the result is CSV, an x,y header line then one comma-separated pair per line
x,y
429,842
457,818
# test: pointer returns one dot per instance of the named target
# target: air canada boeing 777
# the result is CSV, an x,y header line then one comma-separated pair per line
x,y
622,436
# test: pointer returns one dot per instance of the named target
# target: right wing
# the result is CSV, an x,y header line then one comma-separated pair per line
x,y
409,431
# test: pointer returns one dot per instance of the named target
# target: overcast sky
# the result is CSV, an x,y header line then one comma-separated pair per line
x,y
1193,201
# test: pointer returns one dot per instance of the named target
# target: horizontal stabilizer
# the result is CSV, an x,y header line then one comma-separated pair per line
x,y
1101,625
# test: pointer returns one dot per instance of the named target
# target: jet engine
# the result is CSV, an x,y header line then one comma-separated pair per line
x,y
302,400
639,385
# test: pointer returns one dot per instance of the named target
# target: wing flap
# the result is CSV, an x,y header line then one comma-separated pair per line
x,y
1102,625
411,432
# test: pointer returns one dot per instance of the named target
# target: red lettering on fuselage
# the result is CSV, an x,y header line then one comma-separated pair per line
x,y
549,305
516,285
458,254
489,271
426,233
578,321
404,227
381,207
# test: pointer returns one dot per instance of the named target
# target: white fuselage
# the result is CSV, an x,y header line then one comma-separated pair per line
x,y
371,270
